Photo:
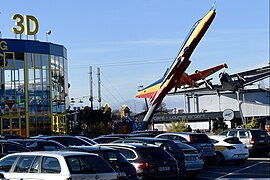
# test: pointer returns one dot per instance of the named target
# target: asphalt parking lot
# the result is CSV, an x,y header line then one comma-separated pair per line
x,y
253,168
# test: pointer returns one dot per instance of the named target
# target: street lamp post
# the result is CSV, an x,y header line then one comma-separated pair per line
x,y
47,34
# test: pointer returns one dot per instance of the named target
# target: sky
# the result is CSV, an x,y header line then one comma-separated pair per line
x,y
133,42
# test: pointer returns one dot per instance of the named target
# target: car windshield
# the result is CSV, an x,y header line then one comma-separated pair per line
x,y
88,140
86,164
171,148
259,133
184,146
224,133
154,153
112,156
233,140
6,163
168,146
199,138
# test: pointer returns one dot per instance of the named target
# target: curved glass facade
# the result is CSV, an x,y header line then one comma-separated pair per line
x,y
34,88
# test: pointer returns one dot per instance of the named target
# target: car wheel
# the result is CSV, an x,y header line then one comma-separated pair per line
x,y
219,159
192,174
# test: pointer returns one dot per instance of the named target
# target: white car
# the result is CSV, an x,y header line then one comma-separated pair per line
x,y
56,165
229,148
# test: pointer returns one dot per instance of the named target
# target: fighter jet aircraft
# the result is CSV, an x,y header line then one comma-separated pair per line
x,y
173,76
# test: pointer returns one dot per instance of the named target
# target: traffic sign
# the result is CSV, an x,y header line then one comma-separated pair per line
x,y
10,103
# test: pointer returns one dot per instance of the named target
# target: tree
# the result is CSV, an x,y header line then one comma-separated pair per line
x,y
219,125
162,108
107,113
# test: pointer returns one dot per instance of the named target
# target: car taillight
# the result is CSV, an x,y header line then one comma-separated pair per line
x,y
174,166
134,171
146,165
191,138
230,147
251,141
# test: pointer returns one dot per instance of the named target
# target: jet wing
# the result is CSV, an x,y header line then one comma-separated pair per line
x,y
201,75
192,80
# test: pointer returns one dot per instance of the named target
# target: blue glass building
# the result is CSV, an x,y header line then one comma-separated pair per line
x,y
33,87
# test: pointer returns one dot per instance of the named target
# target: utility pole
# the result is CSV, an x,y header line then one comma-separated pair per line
x,y
91,86
99,89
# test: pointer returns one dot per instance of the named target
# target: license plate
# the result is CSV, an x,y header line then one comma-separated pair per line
x,y
204,147
190,158
121,174
261,141
165,168
241,155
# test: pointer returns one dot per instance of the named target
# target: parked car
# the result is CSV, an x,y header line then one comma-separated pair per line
x,y
116,135
256,140
105,139
67,140
111,137
148,133
116,159
58,165
166,144
7,147
39,144
193,159
150,161
198,140
126,135
87,139
10,136
229,148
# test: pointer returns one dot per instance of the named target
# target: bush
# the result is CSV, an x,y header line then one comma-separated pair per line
x,y
253,124
100,129
178,126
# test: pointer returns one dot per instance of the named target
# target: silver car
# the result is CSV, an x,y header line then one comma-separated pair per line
x,y
256,140
52,165
198,140
193,159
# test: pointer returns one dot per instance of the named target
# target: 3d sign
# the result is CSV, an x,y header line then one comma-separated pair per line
x,y
24,24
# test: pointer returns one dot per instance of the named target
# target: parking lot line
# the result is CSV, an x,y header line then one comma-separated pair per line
x,y
239,170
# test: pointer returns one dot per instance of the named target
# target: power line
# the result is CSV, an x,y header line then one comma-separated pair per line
x,y
110,93
112,86
128,63
122,63
104,94
111,103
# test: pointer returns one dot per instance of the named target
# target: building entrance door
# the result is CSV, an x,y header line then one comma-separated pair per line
x,y
11,125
